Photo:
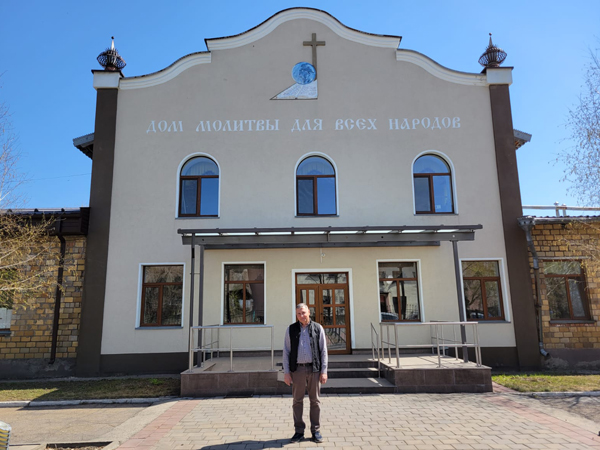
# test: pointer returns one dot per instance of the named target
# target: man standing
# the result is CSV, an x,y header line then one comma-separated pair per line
x,y
305,367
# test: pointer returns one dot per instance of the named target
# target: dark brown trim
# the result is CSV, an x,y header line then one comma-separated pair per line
x,y
315,194
58,296
516,244
92,313
496,357
430,177
198,180
144,363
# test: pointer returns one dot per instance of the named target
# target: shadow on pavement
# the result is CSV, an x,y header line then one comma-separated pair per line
x,y
278,443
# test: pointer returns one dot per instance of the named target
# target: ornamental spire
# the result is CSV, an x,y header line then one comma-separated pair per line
x,y
110,58
493,56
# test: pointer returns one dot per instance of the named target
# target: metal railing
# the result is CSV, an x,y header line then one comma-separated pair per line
x,y
375,346
438,343
558,208
212,345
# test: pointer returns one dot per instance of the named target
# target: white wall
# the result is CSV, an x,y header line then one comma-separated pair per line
x,y
257,174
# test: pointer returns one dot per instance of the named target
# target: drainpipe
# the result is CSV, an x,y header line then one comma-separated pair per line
x,y
527,224
58,296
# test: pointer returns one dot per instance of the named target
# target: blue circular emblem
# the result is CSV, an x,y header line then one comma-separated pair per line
x,y
304,73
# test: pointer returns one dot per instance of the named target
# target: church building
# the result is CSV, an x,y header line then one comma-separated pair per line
x,y
302,161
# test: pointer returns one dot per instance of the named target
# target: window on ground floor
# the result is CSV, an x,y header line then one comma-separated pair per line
x,y
482,290
398,292
566,290
162,296
244,294
7,293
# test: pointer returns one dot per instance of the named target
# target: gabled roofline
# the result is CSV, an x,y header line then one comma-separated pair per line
x,y
439,71
318,15
253,34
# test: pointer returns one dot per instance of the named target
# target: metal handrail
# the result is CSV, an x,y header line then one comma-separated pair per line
x,y
375,346
211,348
438,338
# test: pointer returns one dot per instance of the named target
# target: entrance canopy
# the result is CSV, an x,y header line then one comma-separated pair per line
x,y
379,236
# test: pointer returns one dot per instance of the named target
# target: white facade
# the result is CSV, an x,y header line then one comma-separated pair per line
x,y
378,109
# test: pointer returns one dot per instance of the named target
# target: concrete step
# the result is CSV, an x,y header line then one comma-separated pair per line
x,y
357,386
353,372
345,364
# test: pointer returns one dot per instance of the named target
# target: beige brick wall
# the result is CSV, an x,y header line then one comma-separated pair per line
x,y
31,326
556,241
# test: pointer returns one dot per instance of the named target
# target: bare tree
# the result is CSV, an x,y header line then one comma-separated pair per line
x,y
28,255
583,159
10,177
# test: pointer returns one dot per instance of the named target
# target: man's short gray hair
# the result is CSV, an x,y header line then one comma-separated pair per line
x,y
301,305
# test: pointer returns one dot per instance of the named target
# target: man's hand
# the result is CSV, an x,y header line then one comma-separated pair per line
x,y
287,378
323,378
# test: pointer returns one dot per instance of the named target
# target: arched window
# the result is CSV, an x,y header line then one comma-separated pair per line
x,y
315,187
199,188
433,186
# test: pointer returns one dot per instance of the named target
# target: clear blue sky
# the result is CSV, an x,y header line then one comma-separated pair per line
x,y
48,49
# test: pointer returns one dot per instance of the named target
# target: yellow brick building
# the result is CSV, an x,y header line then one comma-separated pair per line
x,y
565,279
40,340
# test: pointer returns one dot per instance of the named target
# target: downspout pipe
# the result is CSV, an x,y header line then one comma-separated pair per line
x,y
527,223
58,295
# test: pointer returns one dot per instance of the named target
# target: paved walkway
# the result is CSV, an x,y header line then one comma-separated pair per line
x,y
409,421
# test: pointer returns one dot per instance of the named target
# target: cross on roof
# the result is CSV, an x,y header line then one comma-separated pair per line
x,y
314,43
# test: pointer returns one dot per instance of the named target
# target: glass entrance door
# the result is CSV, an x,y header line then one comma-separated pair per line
x,y
326,295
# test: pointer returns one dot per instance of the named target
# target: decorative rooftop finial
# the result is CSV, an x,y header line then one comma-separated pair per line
x,y
110,58
493,56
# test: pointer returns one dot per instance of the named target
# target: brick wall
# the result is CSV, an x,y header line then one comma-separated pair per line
x,y
31,326
569,241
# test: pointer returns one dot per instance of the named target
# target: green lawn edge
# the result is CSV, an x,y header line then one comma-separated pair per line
x,y
548,382
89,389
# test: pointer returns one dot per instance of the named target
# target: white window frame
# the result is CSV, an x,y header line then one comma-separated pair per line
x,y
241,263
5,319
337,191
419,286
178,184
503,287
452,180
138,313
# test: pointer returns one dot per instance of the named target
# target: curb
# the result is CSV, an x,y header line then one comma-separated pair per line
x,y
110,401
561,394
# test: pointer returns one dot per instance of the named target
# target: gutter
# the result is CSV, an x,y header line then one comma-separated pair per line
x,y
527,223
58,295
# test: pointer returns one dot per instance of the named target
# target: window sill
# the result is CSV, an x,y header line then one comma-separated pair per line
x,y
5,333
316,216
196,217
481,321
572,322
160,328
436,214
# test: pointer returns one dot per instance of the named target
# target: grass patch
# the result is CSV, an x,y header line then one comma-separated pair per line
x,y
90,389
548,382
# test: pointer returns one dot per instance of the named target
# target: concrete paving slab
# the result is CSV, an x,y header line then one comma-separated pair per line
x,y
417,421
380,421
60,424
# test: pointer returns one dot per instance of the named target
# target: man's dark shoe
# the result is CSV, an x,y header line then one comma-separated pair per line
x,y
297,437
316,437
